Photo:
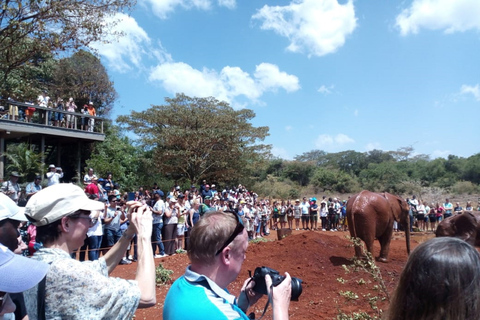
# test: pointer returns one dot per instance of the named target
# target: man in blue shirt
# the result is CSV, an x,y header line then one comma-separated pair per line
x,y
217,249
34,187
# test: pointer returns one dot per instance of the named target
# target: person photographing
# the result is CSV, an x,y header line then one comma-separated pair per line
x,y
217,249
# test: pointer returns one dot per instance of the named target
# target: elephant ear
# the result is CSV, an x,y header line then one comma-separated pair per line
x,y
466,227
394,203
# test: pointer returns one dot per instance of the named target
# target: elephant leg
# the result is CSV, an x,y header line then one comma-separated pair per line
x,y
369,244
385,245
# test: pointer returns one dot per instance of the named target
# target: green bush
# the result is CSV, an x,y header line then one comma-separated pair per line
x,y
162,275
465,187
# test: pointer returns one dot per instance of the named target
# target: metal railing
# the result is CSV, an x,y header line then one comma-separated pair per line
x,y
31,113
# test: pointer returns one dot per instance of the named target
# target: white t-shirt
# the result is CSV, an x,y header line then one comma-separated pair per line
x,y
305,206
159,206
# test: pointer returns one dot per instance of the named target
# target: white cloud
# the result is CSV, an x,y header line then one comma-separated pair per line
x,y
162,8
355,112
448,15
325,90
127,49
325,140
270,78
230,4
474,90
288,128
228,84
314,27
281,153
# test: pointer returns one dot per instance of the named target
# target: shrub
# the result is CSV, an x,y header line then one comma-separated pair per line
x,y
465,187
162,275
363,268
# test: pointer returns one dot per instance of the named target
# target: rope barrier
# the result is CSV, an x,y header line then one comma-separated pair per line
x,y
131,242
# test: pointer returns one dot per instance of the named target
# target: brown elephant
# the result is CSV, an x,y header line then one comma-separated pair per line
x,y
370,215
465,226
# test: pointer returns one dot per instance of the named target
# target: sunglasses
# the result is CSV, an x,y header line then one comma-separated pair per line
x,y
78,215
91,221
238,229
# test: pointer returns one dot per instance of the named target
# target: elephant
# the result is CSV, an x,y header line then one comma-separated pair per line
x,y
465,226
370,215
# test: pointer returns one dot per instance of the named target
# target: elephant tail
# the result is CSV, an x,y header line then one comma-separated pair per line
x,y
351,213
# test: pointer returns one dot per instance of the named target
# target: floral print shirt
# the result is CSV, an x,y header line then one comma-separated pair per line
x,y
82,290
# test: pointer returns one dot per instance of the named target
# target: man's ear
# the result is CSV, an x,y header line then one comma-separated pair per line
x,y
226,256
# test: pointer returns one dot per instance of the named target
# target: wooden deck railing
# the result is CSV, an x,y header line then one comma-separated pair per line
x,y
17,111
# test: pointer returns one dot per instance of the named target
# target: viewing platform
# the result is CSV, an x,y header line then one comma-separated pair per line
x,y
42,131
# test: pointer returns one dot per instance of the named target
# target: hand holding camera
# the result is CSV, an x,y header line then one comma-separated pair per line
x,y
275,279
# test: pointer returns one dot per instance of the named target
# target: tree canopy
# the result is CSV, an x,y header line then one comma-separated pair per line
x,y
83,77
32,27
199,138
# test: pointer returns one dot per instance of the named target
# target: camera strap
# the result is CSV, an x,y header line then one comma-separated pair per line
x,y
252,314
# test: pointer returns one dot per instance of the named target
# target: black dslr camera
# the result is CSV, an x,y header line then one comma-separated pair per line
x,y
261,286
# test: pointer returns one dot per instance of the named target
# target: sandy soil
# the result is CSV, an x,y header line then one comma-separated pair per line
x,y
316,257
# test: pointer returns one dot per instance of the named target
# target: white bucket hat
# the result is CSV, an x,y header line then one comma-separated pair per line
x,y
10,210
58,201
19,273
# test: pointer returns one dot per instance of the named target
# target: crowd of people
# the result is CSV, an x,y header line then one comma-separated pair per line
x,y
59,113
62,215
426,215
65,225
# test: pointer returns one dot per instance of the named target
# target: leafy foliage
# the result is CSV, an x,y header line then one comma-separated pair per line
x,y
358,269
83,77
335,180
274,188
299,172
32,27
199,138
117,155
162,275
25,160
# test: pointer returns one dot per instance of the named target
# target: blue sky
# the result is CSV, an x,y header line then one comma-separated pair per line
x,y
321,74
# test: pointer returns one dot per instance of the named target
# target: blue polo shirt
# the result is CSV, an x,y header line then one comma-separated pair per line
x,y
196,297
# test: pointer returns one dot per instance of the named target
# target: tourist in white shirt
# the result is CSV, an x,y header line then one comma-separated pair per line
x,y
54,175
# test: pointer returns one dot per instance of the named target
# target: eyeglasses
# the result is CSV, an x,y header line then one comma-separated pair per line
x,y
238,229
92,221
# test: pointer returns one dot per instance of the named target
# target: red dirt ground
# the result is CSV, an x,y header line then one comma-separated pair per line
x,y
316,257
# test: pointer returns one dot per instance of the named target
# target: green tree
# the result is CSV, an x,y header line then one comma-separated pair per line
x,y
27,81
299,172
335,180
118,155
83,77
199,138
472,169
350,161
317,156
23,158
378,156
324,178
385,176
30,27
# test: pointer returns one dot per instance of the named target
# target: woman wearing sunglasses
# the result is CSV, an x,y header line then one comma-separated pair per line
x,y
83,290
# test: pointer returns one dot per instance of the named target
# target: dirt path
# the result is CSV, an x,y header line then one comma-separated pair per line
x,y
316,257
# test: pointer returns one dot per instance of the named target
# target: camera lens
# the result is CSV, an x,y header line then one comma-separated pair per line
x,y
296,289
